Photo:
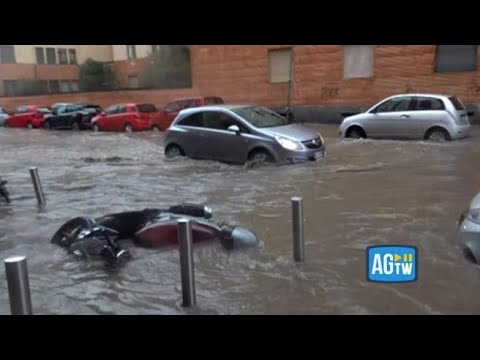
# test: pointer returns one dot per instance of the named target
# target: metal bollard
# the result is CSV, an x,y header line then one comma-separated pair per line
x,y
185,240
297,222
18,285
37,185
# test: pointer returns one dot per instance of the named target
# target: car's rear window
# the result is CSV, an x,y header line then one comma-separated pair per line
x,y
92,108
146,108
456,103
43,110
428,103
213,101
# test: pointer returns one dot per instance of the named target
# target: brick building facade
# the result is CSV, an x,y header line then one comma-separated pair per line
x,y
323,75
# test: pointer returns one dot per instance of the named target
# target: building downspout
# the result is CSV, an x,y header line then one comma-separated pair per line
x,y
290,82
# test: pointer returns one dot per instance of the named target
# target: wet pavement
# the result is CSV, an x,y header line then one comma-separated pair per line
x,y
365,193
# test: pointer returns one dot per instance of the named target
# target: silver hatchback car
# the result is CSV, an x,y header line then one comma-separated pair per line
x,y
236,134
468,232
411,116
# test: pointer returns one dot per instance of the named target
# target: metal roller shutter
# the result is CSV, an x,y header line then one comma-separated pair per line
x,y
456,58
279,65
358,61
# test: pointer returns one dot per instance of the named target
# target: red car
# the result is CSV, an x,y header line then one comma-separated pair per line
x,y
125,117
27,116
167,115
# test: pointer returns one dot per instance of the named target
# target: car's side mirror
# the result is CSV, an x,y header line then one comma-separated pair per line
x,y
234,128
103,113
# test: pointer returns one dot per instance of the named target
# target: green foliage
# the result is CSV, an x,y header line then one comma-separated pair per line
x,y
170,68
96,76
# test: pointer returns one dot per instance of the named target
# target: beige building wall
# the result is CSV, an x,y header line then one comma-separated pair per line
x,y
96,52
120,52
25,54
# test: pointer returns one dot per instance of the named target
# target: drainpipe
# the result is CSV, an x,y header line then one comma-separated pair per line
x,y
290,81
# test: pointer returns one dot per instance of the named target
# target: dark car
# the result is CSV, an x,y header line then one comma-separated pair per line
x,y
71,116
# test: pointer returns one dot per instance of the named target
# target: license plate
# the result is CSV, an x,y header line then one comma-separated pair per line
x,y
320,154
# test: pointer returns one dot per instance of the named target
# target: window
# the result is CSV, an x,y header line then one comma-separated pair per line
x,y
43,110
394,105
72,56
51,58
64,86
193,120
132,81
155,48
10,87
146,108
213,101
92,109
279,65
426,103
112,109
122,109
219,120
23,109
172,107
358,61
457,103
54,86
62,56
72,108
261,117
455,58
41,86
131,52
40,54
74,85
62,110
7,54
188,104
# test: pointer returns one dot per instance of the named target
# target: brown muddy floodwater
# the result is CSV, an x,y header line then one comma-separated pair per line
x,y
365,193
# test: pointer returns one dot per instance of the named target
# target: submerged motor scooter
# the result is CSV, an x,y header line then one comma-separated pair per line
x,y
149,228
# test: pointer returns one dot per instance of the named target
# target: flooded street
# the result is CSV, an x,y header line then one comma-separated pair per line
x,y
364,193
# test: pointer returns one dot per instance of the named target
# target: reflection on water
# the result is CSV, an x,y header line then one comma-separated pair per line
x,y
365,193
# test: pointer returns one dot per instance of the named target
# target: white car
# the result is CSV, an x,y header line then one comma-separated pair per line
x,y
469,228
411,116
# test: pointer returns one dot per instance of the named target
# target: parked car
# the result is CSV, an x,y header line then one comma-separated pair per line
x,y
3,116
71,116
469,229
236,134
27,116
125,117
57,105
170,112
411,116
